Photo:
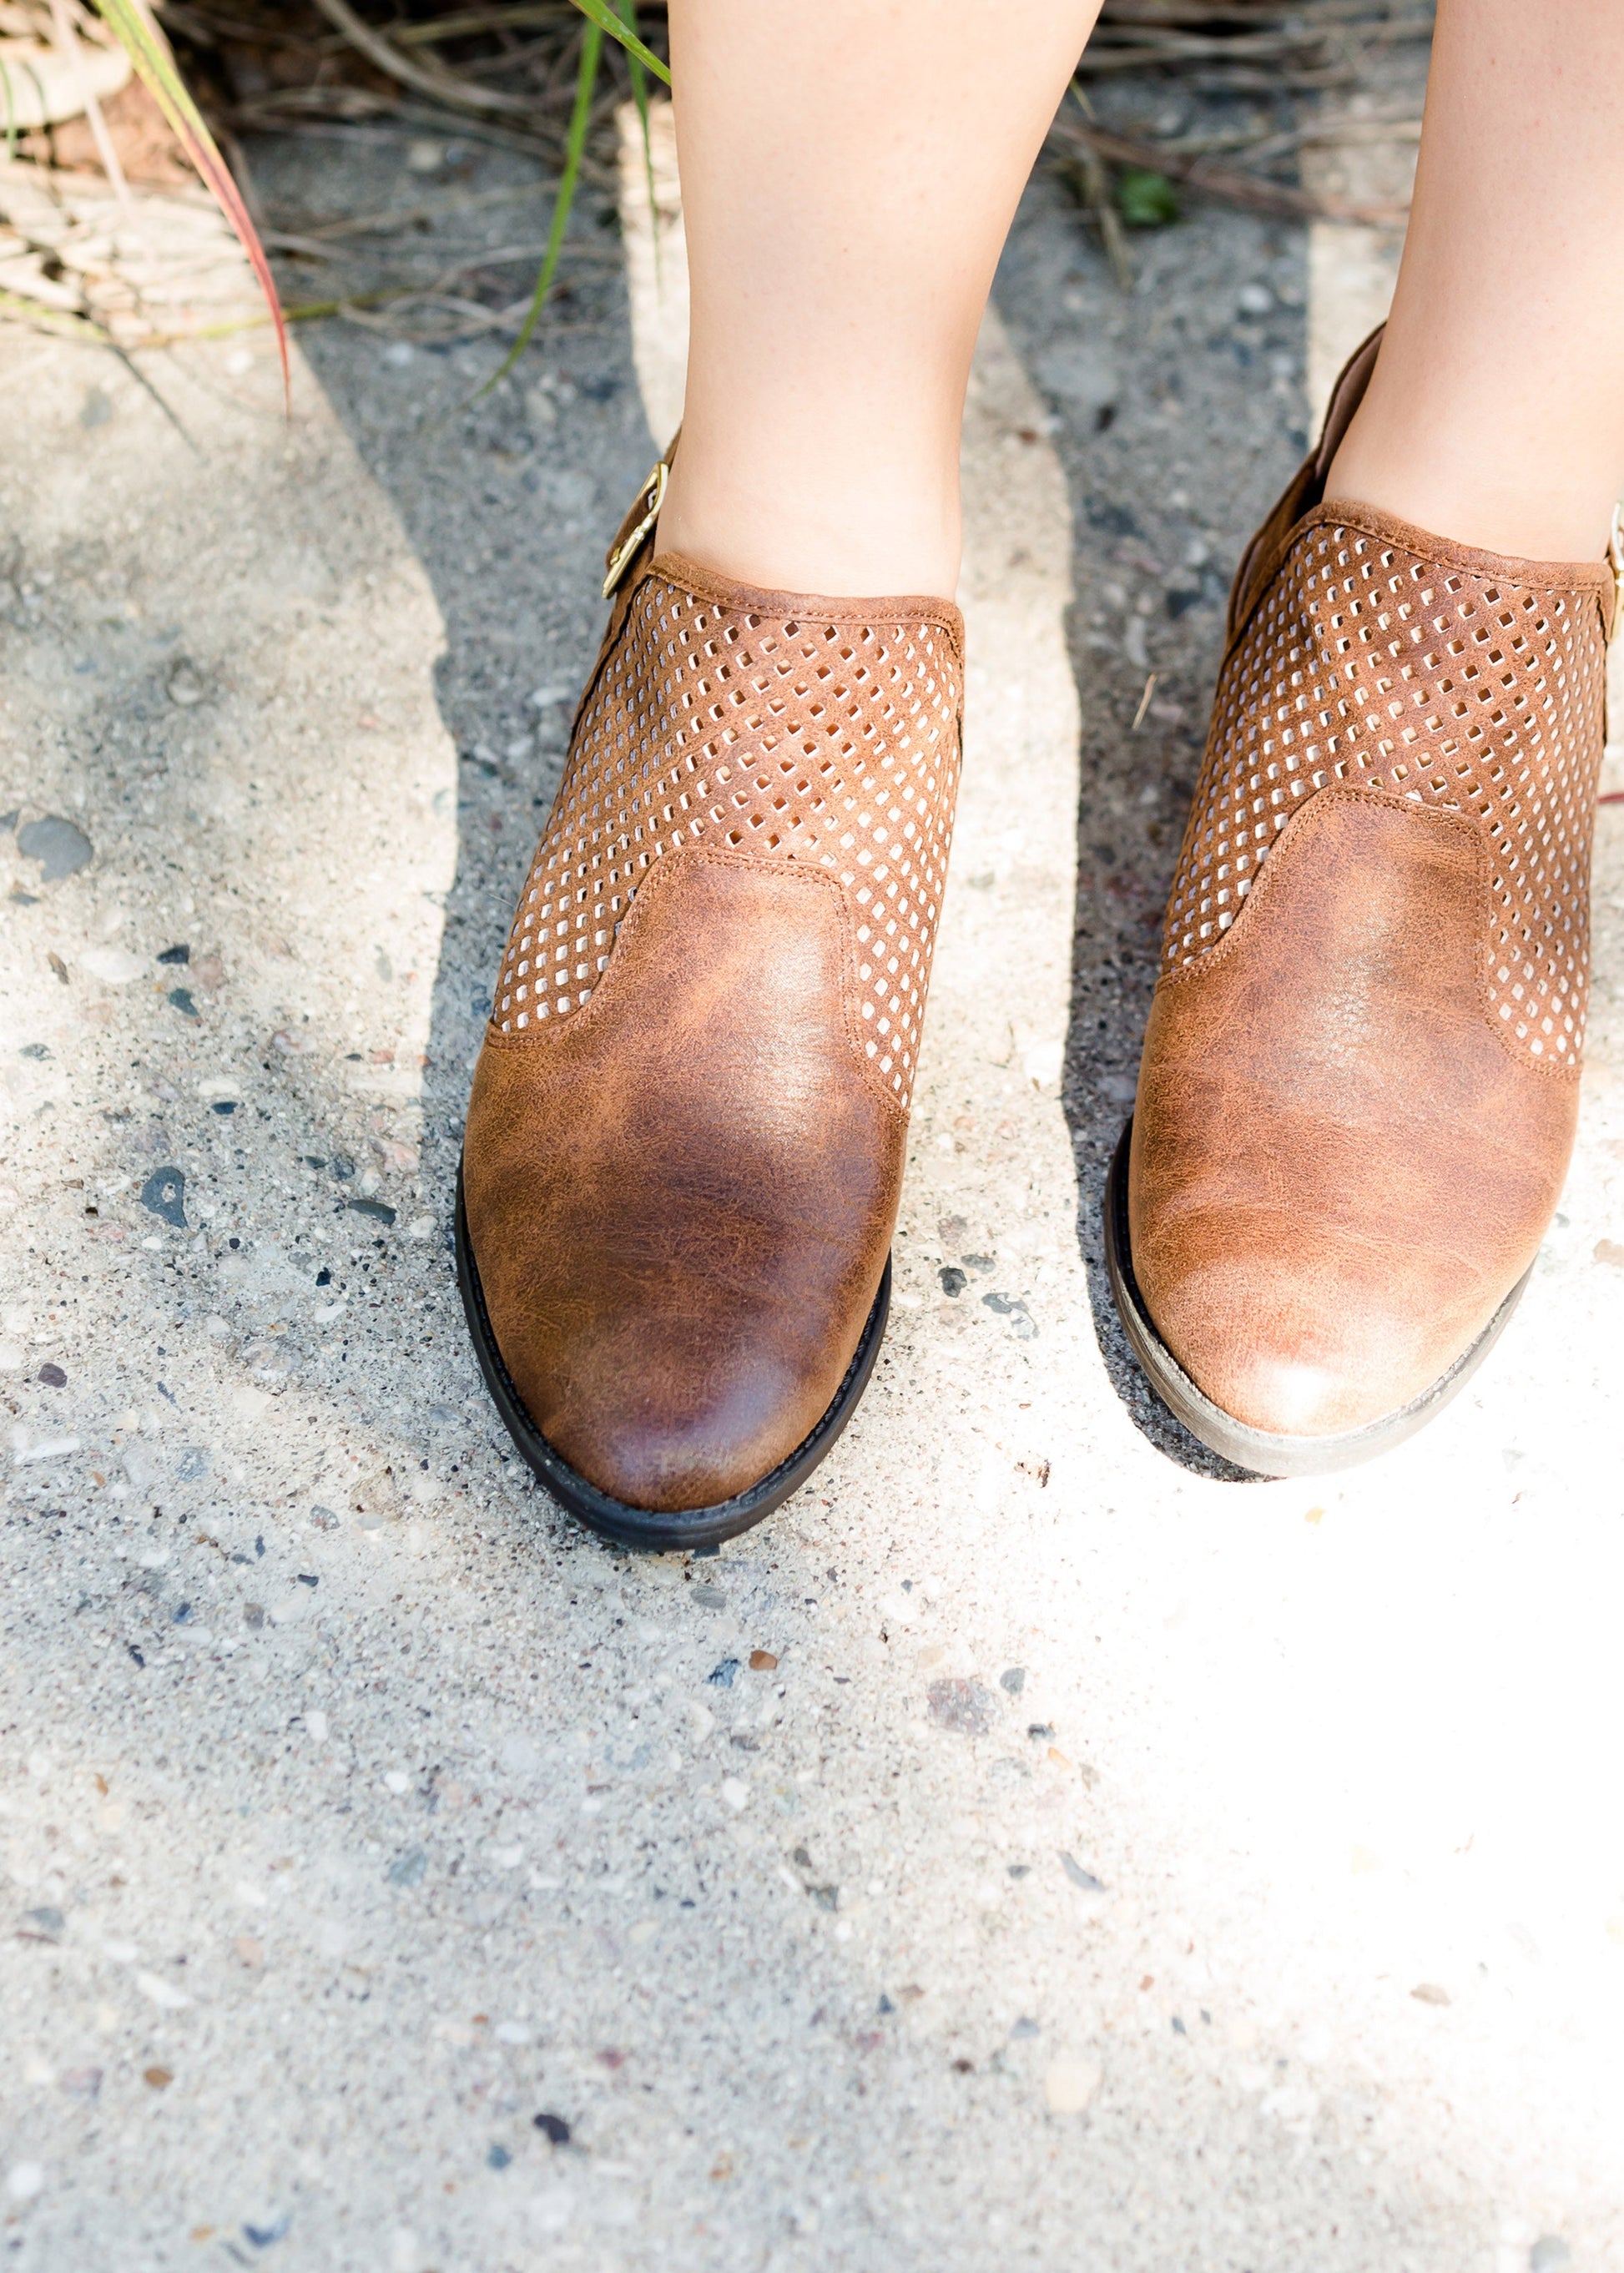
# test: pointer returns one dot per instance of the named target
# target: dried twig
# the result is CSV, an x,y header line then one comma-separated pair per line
x,y
1263,45
73,54
1094,181
1227,184
444,85
470,23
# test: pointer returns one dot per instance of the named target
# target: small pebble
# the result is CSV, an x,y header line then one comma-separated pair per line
x,y
762,1661
553,2127
963,1705
709,1598
164,1194
1428,1992
61,848
163,1993
53,1377
1084,1880
24,2180
1549,2255
1069,2085
1013,1680
180,954
113,967
499,2158
1011,1306
725,1674
408,1870
159,2078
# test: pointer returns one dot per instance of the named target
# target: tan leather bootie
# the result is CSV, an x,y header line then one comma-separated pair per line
x,y
1360,1077
686,1139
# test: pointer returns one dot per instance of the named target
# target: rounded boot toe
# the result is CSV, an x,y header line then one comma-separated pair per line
x,y
1293,1354
662,1423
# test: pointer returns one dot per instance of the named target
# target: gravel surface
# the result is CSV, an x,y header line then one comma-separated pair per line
x,y
1031,1848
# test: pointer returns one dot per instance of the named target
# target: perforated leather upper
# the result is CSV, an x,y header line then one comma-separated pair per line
x,y
1379,655
820,730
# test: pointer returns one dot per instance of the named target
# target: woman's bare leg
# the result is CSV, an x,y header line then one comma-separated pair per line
x,y
849,174
1496,413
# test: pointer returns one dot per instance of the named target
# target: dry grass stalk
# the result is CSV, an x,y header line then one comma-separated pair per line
x,y
1232,185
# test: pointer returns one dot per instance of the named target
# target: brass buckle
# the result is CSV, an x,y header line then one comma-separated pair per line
x,y
653,497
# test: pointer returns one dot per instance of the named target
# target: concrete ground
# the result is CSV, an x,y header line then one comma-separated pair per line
x,y
1034,1846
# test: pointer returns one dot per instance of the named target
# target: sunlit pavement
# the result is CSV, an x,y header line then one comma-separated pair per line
x,y
1029,1848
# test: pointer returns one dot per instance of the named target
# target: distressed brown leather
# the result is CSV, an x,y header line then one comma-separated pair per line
x,y
1360,1077
1339,1169
684,1153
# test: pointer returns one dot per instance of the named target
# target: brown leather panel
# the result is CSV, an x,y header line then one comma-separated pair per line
x,y
681,1200
1339,1169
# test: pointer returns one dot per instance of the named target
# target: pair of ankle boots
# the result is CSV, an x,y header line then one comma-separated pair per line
x,y
1359,1085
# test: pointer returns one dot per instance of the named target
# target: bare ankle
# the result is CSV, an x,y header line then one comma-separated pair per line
x,y
797,505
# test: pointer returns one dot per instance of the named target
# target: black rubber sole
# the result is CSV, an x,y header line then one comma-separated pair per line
x,y
647,1528
1258,1450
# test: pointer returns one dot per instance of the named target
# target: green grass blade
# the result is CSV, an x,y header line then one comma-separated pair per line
x,y
579,119
640,96
640,83
606,18
136,28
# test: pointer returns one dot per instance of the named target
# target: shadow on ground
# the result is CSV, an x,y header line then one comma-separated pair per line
x,y
1177,418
